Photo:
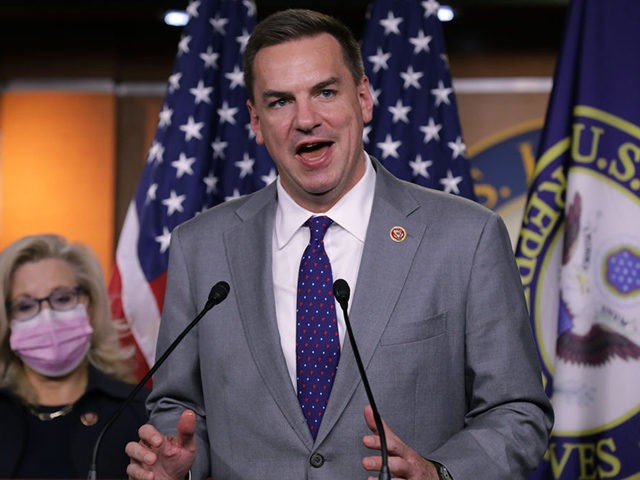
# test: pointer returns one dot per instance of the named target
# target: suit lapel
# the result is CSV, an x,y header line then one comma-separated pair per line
x,y
383,270
248,247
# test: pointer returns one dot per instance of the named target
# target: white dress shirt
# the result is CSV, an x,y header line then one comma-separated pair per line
x,y
344,242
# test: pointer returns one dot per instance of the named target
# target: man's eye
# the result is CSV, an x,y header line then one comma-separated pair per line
x,y
281,102
327,93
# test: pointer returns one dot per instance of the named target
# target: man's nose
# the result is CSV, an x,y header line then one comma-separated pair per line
x,y
307,117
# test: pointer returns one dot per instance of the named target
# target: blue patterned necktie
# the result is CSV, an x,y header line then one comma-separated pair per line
x,y
317,337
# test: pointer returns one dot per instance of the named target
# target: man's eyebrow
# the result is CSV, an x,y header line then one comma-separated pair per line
x,y
274,94
326,83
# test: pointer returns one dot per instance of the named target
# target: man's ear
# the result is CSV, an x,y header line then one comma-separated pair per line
x,y
255,122
366,100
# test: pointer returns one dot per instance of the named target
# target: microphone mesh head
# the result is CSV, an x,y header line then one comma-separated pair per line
x,y
218,293
341,290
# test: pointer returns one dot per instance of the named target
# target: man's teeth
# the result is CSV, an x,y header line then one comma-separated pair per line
x,y
309,147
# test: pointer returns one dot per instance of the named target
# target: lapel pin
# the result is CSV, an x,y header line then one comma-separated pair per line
x,y
398,234
89,418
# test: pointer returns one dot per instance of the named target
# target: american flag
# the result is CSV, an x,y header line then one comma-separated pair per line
x,y
415,130
202,154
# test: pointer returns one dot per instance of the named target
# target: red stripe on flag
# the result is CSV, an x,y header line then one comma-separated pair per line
x,y
157,287
126,338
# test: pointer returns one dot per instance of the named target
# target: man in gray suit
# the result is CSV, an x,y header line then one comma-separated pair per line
x,y
438,308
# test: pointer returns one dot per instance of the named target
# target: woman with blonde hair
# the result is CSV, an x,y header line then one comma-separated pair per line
x,y
63,371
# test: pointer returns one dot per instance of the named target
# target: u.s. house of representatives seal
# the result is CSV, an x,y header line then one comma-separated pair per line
x,y
579,259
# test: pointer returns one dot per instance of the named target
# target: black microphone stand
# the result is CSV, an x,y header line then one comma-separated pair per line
x,y
217,294
342,292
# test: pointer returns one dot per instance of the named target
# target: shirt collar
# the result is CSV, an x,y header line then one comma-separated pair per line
x,y
351,212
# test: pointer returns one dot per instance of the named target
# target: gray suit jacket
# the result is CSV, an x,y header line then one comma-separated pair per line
x,y
440,322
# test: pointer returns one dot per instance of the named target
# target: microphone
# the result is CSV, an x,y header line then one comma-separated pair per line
x,y
342,292
216,295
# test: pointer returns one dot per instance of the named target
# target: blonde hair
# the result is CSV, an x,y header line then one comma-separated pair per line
x,y
106,352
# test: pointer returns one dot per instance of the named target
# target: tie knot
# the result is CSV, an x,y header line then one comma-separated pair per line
x,y
318,227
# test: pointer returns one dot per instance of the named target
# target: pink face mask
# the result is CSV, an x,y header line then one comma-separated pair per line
x,y
53,343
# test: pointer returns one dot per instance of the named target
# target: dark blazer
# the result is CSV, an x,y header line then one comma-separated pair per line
x,y
103,397
441,324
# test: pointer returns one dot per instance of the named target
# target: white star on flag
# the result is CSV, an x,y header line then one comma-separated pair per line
x,y
250,6
391,24
227,113
155,152
174,203
219,23
431,131
218,147
183,46
164,117
164,240
245,165
210,58
458,147
375,94
441,93
420,43
201,93
174,82
192,8
411,78
152,192
236,77
420,167
270,178
192,129
242,40
389,147
450,183
380,60
365,133
400,112
250,133
183,165
211,182
430,8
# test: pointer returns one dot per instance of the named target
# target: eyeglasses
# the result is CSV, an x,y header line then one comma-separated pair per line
x,y
26,307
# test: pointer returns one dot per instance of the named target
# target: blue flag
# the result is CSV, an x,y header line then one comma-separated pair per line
x,y
415,130
579,247
203,153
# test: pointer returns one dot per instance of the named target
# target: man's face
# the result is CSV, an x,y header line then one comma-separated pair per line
x,y
309,113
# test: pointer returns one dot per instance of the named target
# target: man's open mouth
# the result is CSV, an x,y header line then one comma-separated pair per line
x,y
313,151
